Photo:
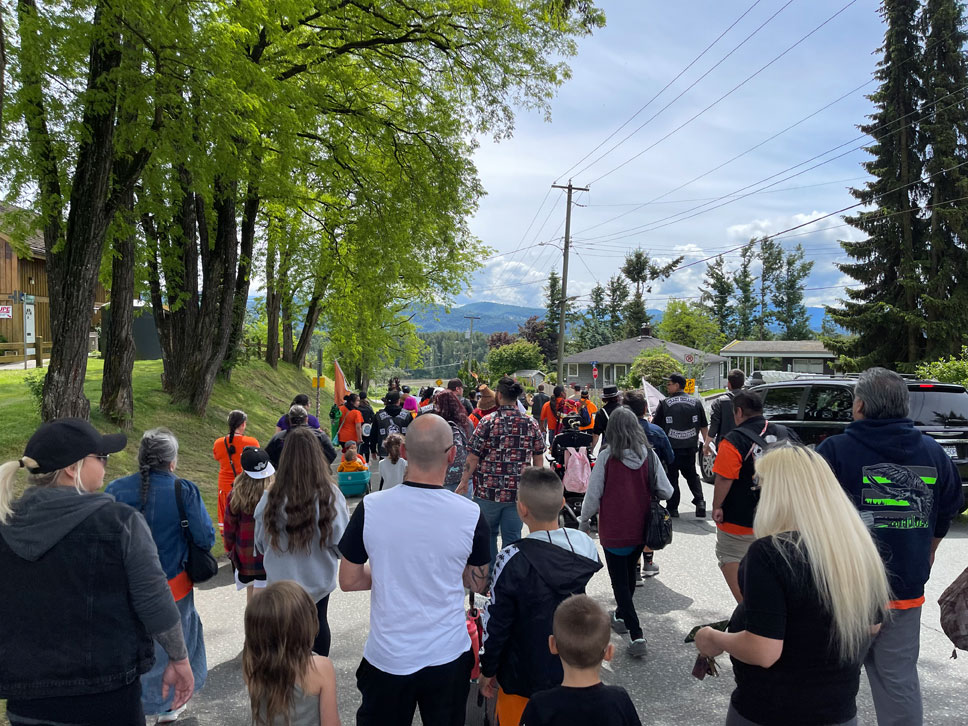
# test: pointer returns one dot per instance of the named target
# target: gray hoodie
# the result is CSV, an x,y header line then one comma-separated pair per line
x,y
43,516
631,459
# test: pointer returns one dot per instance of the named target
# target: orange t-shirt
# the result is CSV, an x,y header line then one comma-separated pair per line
x,y
548,415
347,427
728,464
220,451
592,410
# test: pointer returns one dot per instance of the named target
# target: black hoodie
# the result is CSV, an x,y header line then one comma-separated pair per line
x,y
531,578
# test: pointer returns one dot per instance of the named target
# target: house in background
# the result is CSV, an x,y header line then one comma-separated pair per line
x,y
796,356
24,295
615,360
529,378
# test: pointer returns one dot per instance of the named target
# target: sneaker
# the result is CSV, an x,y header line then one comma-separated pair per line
x,y
650,569
638,648
172,716
701,509
638,578
618,625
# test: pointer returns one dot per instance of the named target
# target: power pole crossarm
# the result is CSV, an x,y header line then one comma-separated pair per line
x,y
564,280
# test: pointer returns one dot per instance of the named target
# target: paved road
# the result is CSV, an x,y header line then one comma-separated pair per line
x,y
689,590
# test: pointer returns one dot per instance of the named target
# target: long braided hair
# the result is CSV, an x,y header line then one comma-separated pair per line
x,y
236,419
159,448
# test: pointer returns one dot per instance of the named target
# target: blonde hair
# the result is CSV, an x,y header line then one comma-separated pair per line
x,y
802,504
8,474
246,493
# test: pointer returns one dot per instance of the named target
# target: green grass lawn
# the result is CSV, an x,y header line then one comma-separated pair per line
x,y
263,393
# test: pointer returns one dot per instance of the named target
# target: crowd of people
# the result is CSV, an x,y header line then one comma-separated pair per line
x,y
826,553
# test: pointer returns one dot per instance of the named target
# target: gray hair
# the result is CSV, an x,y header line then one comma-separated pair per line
x,y
298,415
159,448
624,433
884,393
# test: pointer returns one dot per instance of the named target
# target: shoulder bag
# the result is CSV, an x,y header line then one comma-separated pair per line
x,y
658,523
201,565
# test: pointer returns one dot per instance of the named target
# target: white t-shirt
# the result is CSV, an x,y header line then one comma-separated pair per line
x,y
392,474
418,539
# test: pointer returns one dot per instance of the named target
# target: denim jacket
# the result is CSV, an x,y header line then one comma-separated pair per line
x,y
161,512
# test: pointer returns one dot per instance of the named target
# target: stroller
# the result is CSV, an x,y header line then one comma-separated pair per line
x,y
569,436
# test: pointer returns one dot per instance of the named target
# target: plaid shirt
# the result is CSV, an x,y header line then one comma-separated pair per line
x,y
504,441
239,538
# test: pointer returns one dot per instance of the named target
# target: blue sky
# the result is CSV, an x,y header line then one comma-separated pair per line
x,y
645,45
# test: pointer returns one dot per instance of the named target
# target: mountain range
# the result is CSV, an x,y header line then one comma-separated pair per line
x,y
498,317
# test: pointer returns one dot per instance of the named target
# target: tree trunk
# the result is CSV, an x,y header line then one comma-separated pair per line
x,y
250,211
273,303
117,397
287,350
309,325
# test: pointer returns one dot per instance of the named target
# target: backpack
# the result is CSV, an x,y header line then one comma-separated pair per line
x,y
578,470
393,424
584,416
771,434
954,612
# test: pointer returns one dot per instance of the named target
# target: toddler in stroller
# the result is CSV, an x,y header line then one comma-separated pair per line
x,y
573,472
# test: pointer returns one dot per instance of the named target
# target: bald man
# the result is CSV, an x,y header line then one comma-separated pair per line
x,y
415,547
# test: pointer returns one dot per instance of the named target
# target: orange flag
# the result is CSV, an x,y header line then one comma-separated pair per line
x,y
339,385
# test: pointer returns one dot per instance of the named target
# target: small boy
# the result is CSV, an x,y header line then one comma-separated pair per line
x,y
352,461
531,577
581,635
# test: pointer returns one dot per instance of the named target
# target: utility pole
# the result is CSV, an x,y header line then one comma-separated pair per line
x,y
564,280
470,340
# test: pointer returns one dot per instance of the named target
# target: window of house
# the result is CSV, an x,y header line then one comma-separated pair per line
x,y
782,404
573,370
808,365
620,372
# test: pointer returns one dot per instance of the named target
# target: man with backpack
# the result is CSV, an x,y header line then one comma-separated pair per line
x,y
392,419
907,490
683,418
735,496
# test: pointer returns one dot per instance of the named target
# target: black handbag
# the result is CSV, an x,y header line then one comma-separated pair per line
x,y
201,565
658,523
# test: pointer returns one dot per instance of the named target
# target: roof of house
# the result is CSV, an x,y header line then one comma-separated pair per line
x,y
625,351
35,239
528,374
777,348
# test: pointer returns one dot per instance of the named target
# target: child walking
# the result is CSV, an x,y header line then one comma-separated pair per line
x,y
394,467
531,577
580,639
287,683
239,533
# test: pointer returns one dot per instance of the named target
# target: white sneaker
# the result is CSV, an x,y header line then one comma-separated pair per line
x,y
171,716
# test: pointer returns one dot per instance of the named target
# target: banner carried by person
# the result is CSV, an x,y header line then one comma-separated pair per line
x,y
340,390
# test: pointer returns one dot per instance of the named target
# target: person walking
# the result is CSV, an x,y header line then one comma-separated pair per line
x,y
448,406
155,492
457,386
299,522
351,424
300,399
814,589
908,491
620,493
683,418
416,544
73,649
586,402
391,419
502,445
611,400
227,451
538,401
721,417
297,419
734,491
551,412
257,476
367,429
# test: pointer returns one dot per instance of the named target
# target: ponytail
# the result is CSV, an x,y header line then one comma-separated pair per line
x,y
159,448
236,419
8,473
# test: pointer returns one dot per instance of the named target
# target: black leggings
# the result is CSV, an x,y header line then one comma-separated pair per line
x,y
623,572
323,637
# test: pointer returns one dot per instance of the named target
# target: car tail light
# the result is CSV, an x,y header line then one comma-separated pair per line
x,y
926,385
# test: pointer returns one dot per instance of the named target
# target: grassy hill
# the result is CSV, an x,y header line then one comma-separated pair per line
x,y
263,393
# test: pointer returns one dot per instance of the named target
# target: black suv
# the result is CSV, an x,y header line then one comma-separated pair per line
x,y
816,408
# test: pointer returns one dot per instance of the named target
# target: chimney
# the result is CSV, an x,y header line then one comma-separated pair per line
x,y
646,331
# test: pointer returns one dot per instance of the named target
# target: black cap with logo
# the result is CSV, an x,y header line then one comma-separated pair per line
x,y
60,443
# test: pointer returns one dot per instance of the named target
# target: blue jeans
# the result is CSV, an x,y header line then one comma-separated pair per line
x,y
503,515
151,681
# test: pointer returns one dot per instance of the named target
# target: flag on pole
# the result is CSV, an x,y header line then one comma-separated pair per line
x,y
339,384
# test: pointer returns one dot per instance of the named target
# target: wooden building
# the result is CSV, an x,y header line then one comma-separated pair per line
x,y
24,293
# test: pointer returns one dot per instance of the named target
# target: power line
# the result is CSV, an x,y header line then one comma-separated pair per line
x,y
666,87
725,95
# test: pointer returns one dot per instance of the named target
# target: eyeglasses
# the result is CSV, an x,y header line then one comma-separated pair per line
x,y
103,458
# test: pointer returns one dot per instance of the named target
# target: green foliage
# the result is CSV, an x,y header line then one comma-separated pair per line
x,y
593,328
745,300
689,324
953,369
788,308
642,272
717,296
654,365
518,356
35,386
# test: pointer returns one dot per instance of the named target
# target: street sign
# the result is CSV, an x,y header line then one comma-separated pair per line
x,y
6,311
439,382
594,364
690,358
595,372
319,381
690,386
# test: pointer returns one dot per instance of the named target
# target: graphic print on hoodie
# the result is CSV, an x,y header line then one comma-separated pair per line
x,y
531,578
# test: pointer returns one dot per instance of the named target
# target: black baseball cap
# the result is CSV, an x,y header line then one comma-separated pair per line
x,y
255,462
677,378
405,389
63,442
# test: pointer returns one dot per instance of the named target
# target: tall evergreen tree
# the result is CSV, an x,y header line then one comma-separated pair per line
x,y
617,295
788,308
553,312
717,295
771,267
884,310
745,298
593,329
642,272
944,130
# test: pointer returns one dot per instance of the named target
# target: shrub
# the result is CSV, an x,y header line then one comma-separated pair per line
x,y
514,357
950,370
654,365
35,385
